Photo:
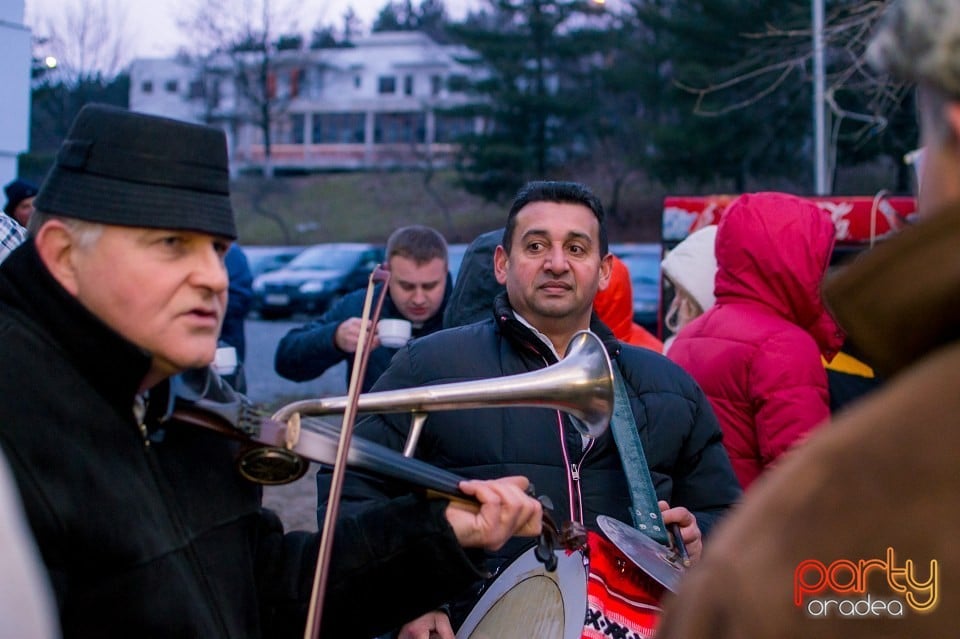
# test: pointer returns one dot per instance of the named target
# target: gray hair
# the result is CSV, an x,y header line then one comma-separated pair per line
x,y
85,233
919,41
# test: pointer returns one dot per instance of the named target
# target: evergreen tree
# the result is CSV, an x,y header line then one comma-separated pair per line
x,y
532,60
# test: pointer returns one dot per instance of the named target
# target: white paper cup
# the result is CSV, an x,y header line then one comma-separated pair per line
x,y
394,333
225,361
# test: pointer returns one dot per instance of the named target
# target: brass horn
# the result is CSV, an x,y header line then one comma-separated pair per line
x,y
580,384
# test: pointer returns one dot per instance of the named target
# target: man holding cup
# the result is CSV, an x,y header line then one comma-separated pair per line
x,y
416,296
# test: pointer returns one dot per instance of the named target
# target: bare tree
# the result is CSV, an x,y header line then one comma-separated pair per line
x,y
89,39
244,37
781,53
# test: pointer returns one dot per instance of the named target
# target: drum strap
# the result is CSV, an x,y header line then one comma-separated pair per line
x,y
645,512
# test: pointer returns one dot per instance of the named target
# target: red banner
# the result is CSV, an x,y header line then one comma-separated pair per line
x,y
859,219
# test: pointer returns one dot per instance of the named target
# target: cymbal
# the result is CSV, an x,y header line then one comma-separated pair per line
x,y
659,562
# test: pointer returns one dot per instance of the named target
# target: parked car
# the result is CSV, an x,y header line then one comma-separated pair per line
x,y
263,259
643,262
315,278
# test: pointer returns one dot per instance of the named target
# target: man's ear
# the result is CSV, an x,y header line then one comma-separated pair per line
x,y
56,247
500,259
606,268
953,118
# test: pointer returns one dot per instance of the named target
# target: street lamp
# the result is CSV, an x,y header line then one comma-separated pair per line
x,y
819,104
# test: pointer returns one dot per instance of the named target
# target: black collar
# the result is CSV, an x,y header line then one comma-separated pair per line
x,y
113,366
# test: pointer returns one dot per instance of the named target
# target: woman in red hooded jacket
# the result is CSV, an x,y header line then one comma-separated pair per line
x,y
756,353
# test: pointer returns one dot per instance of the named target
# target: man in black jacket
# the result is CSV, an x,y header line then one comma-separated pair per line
x,y
417,291
143,524
553,259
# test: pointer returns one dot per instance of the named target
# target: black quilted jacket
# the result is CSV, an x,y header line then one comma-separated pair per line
x,y
679,433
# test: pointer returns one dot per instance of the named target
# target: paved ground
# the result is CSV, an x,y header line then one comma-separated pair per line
x,y
296,503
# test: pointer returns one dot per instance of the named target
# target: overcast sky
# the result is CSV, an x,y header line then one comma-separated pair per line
x,y
154,22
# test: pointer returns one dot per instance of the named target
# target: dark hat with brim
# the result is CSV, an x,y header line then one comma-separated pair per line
x,y
131,169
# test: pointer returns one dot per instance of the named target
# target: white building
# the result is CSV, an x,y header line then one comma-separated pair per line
x,y
15,80
376,104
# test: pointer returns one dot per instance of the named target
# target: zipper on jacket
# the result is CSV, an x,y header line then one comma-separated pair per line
x,y
174,515
139,414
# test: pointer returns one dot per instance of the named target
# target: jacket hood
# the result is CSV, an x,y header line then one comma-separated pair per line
x,y
692,265
614,305
773,249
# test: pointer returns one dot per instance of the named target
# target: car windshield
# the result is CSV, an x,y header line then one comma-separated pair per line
x,y
267,258
644,268
325,257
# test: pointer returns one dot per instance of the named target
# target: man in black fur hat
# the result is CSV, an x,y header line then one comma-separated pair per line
x,y
144,526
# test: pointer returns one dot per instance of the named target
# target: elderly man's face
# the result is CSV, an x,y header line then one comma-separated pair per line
x,y
165,291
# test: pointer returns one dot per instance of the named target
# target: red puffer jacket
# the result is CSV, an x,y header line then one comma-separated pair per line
x,y
756,353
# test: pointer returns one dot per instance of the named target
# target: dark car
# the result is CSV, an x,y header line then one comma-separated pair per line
x,y
315,278
263,259
643,262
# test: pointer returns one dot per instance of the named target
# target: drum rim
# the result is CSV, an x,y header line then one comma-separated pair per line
x,y
570,577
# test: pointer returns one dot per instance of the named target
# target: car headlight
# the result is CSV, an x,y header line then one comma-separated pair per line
x,y
259,286
314,286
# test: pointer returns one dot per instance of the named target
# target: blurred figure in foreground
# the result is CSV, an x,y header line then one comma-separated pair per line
x,y
756,353
853,536
26,601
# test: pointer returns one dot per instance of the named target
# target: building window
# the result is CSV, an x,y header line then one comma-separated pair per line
x,y
399,128
357,81
386,84
408,85
338,128
170,86
436,83
297,124
195,92
449,128
289,130
146,86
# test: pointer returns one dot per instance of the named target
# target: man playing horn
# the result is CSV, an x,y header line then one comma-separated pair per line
x,y
144,526
553,260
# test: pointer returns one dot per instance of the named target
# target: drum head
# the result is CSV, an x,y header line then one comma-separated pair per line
x,y
657,561
526,601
